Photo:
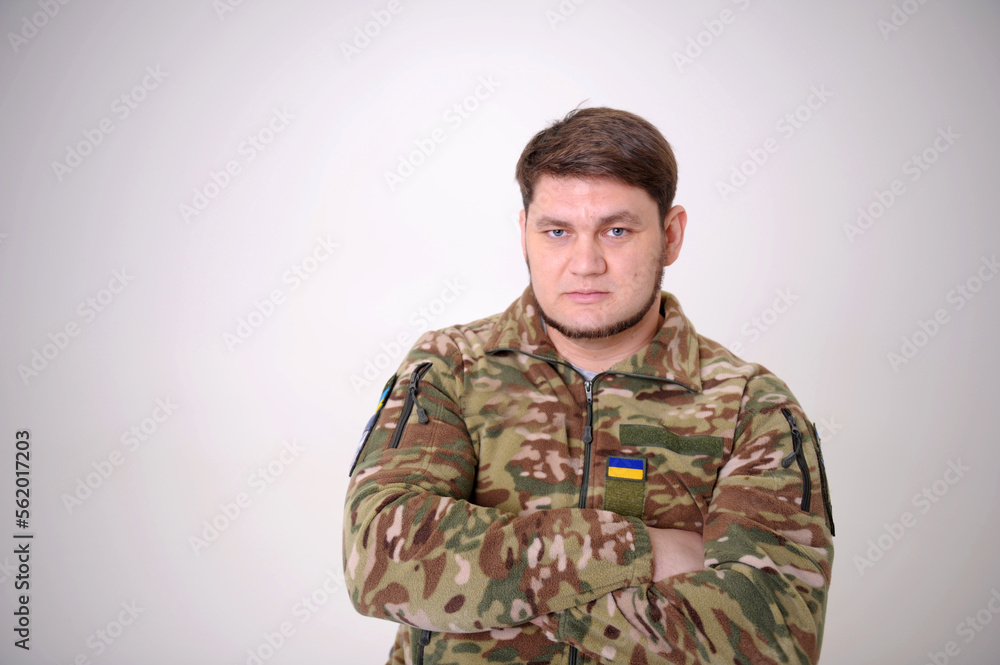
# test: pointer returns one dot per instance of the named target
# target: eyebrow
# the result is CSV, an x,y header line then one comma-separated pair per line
x,y
622,216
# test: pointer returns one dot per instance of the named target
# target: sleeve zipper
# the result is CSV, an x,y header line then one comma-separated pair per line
x,y
409,402
798,454
425,639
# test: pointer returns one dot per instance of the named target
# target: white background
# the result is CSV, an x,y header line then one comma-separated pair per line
x,y
892,428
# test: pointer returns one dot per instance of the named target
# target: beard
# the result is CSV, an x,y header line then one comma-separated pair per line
x,y
611,329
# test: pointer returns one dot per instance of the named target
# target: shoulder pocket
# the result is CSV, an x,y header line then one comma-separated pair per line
x,y
798,455
411,401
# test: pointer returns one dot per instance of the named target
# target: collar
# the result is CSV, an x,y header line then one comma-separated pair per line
x,y
672,354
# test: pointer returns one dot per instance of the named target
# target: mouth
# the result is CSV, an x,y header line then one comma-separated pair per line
x,y
584,296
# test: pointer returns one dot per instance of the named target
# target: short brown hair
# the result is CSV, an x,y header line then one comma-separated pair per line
x,y
601,143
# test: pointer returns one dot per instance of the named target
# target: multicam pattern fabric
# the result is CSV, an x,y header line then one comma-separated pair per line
x,y
476,516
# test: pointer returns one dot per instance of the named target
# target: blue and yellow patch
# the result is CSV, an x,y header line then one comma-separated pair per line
x,y
625,486
371,422
627,468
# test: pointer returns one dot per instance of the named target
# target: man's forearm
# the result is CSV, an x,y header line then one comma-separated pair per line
x,y
441,563
762,596
733,613
754,610
417,551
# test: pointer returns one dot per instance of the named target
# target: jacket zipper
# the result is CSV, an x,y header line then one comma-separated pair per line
x,y
588,437
588,387
588,432
798,454
409,402
425,639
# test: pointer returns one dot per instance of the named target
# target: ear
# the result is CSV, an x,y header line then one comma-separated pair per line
x,y
673,225
522,220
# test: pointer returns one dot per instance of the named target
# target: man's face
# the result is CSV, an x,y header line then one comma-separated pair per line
x,y
595,250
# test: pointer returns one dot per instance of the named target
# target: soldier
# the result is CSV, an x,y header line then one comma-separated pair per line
x,y
583,478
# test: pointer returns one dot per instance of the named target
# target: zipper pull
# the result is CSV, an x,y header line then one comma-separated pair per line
x,y
588,430
423,641
798,454
414,383
796,439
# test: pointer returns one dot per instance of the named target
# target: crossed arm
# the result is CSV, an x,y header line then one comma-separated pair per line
x,y
417,552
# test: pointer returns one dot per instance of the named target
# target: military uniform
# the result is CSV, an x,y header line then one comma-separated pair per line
x,y
498,504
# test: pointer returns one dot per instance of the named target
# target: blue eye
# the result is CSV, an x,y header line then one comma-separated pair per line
x,y
557,233
618,232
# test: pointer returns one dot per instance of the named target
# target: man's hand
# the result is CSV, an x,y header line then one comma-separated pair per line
x,y
675,551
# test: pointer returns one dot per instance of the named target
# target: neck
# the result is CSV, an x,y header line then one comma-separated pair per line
x,y
599,354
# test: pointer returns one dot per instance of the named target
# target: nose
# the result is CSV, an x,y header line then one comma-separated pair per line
x,y
587,257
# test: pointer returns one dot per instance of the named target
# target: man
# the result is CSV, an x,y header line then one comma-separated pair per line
x,y
583,478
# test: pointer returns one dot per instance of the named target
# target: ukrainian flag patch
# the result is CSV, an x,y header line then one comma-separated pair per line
x,y
371,421
625,486
627,468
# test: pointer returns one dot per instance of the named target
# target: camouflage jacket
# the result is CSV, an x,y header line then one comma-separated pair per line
x,y
499,502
